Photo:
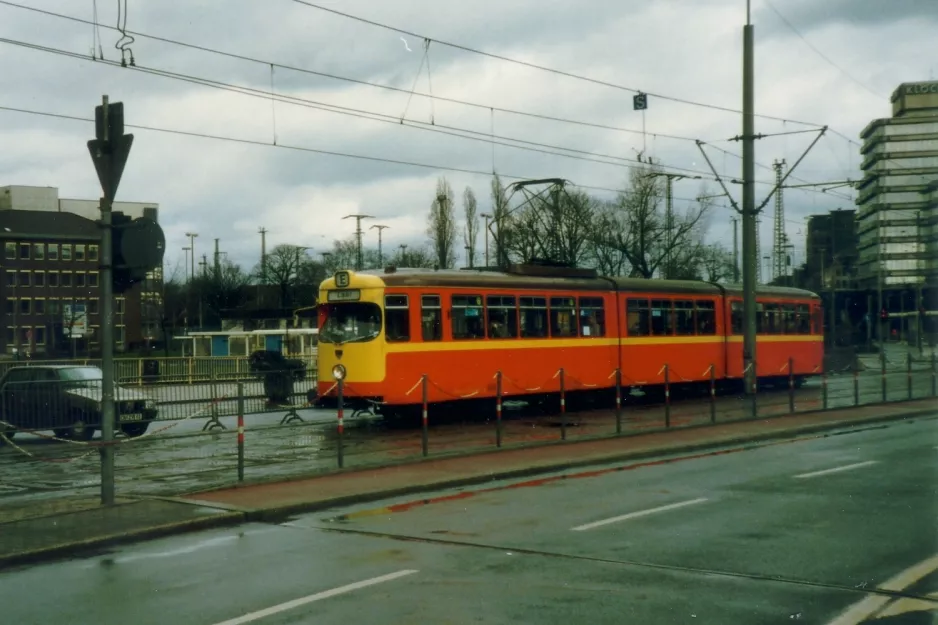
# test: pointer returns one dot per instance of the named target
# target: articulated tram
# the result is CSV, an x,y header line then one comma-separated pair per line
x,y
383,330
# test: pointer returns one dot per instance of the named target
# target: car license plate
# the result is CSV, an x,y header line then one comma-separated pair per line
x,y
134,416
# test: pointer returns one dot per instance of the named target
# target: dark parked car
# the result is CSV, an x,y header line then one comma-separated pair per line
x,y
278,371
67,400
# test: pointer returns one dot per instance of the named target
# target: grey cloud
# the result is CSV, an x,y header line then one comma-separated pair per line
x,y
810,15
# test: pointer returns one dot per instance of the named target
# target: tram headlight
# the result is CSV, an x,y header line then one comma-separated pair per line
x,y
338,372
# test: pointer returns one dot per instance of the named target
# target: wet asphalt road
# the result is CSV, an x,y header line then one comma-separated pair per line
x,y
177,457
837,529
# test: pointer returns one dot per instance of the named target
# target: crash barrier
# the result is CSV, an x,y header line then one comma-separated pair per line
x,y
255,446
172,371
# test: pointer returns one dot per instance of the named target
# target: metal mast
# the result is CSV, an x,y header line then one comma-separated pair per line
x,y
779,238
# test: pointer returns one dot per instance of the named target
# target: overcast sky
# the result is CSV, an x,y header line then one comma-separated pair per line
x,y
683,49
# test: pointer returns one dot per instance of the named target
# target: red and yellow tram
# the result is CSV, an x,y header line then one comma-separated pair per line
x,y
389,328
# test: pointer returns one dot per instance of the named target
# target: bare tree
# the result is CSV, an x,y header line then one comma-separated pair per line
x,y
636,227
553,225
413,257
716,263
471,233
221,288
282,267
344,254
441,225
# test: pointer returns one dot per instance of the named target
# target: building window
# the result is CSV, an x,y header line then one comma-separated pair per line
x,y
10,247
39,333
53,307
66,251
9,305
79,252
66,278
39,251
431,317
93,307
119,306
24,278
24,251
39,278
93,253
53,251
120,335
11,336
11,278
93,278
80,278
53,279
26,306
396,318
39,306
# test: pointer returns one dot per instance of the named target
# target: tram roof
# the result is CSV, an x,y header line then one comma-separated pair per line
x,y
497,279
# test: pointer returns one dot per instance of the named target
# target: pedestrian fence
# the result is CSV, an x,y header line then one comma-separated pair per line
x,y
233,432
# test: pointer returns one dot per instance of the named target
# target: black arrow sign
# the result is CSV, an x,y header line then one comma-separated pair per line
x,y
109,158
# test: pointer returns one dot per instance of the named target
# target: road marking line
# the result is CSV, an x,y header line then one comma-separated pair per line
x,y
864,608
634,515
847,467
289,605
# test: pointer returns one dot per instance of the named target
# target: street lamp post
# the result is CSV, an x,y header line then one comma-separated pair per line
x,y
192,236
488,220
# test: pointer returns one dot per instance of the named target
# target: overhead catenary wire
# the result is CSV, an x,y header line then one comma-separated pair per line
x,y
492,109
242,57
296,148
814,49
543,68
462,133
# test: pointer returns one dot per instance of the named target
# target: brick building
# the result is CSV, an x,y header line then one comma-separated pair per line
x,y
49,264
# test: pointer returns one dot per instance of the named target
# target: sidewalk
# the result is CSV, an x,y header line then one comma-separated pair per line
x,y
33,537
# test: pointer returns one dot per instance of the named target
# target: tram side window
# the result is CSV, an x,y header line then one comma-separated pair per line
x,y
502,316
773,319
431,318
638,315
592,317
706,317
661,322
467,317
396,318
533,317
562,317
761,322
789,324
684,317
736,317
803,319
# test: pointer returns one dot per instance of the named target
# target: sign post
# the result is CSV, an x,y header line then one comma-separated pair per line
x,y
109,151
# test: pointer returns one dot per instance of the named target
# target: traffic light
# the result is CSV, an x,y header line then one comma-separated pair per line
x,y
137,248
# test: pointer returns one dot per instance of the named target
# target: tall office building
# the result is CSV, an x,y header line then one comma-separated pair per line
x,y
897,212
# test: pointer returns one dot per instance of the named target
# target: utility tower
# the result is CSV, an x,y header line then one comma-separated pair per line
x,y
758,258
192,236
358,235
779,238
380,228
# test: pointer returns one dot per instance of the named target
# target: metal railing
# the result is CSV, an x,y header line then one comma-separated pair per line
x,y
221,432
